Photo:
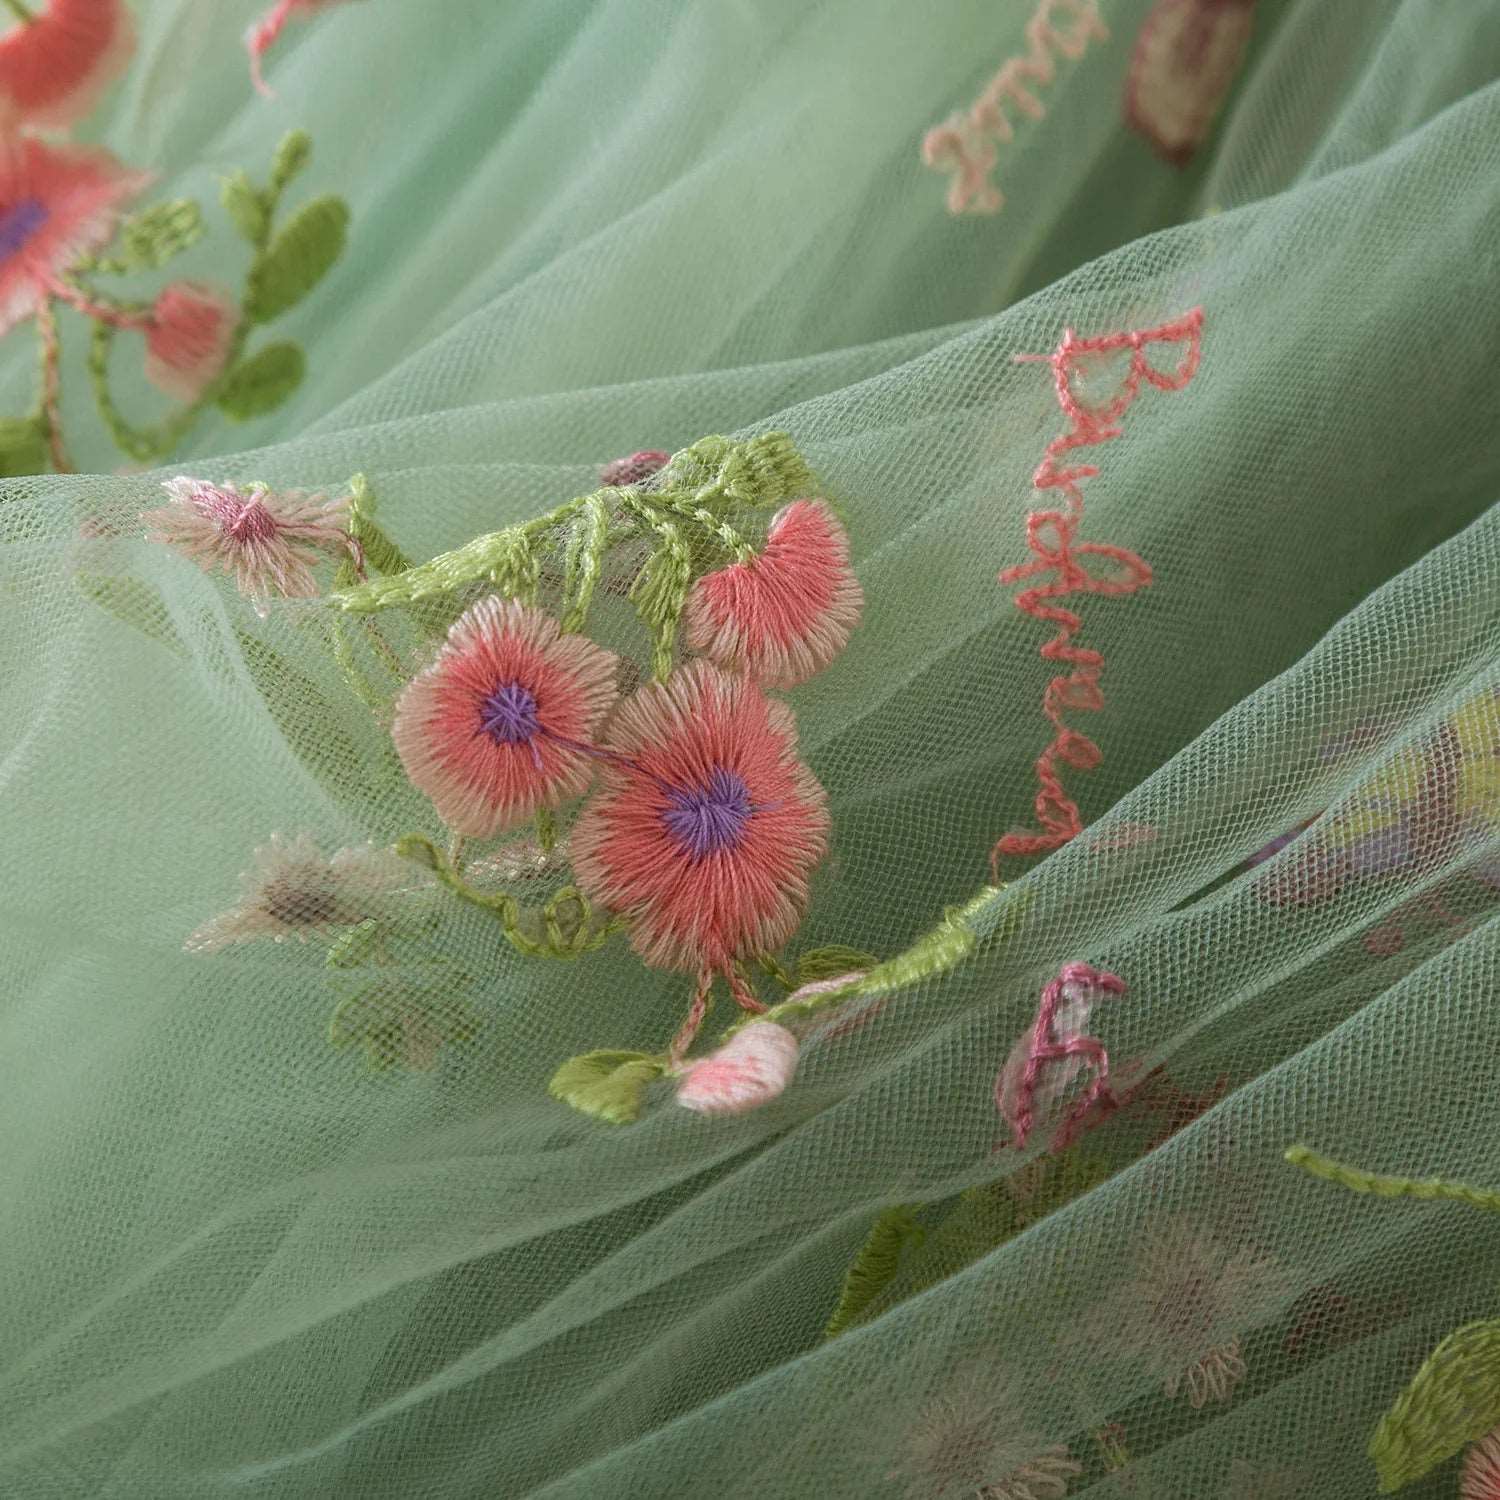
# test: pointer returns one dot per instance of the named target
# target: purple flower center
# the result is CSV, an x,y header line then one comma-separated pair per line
x,y
508,715
709,819
19,222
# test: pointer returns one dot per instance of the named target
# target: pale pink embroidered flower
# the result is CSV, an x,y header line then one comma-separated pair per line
x,y
785,614
706,826
262,36
750,1069
502,722
293,891
267,541
57,204
1480,1479
54,66
971,1440
635,469
188,337
1181,1307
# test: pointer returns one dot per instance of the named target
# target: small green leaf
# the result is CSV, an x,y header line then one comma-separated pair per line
x,y
1452,1400
831,963
245,206
297,259
350,949
262,382
421,851
292,155
23,447
154,236
137,604
607,1085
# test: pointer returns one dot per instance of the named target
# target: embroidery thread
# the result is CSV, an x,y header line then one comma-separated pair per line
x,y
965,146
1050,535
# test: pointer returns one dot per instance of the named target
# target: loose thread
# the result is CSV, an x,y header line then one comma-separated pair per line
x,y
46,323
1050,537
1357,1180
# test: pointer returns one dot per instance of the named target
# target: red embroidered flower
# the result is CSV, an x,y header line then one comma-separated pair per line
x,y
188,338
707,826
1480,1479
784,615
54,66
267,541
57,204
635,469
501,723
262,36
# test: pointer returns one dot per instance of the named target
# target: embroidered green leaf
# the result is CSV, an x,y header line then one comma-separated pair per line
x,y
262,382
158,233
135,603
246,207
818,964
1454,1399
350,949
292,155
297,259
607,1085
874,1267
660,593
23,447
399,1026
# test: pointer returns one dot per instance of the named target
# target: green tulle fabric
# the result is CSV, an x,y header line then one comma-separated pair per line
x,y
261,1237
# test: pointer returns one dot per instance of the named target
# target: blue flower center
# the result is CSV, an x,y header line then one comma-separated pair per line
x,y
508,715
708,819
19,222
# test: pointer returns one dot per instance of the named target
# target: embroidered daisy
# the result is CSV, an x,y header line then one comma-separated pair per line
x,y
785,614
293,891
188,337
706,827
55,64
1181,1308
57,204
971,1440
502,722
1480,1479
267,541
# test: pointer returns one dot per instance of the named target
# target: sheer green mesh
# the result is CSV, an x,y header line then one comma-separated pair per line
x,y
241,1260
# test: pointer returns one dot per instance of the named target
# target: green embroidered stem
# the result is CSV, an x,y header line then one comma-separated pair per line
x,y
874,1266
1358,1181
660,593
343,656
546,829
777,970
20,12
587,544
566,917
1454,1399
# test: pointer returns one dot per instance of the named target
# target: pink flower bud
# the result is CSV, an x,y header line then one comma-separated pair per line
x,y
749,1070
187,339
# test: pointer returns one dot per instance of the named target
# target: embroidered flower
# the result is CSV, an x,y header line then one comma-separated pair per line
x,y
784,615
267,541
1181,1307
188,337
54,66
635,469
970,1441
293,891
262,36
57,204
502,722
750,1069
1480,1479
706,828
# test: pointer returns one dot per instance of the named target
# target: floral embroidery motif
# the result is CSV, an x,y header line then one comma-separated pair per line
x,y
1481,1473
750,1069
1184,64
1050,535
189,338
60,58
262,36
965,147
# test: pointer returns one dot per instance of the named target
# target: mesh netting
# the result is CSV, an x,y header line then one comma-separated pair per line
x,y
274,1227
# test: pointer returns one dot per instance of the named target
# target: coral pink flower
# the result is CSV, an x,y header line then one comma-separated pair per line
x,y
188,337
54,66
57,204
267,541
784,615
706,828
1480,1479
262,36
502,722
749,1070
636,469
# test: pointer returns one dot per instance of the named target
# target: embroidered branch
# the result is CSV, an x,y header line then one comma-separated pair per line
x,y
1050,535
